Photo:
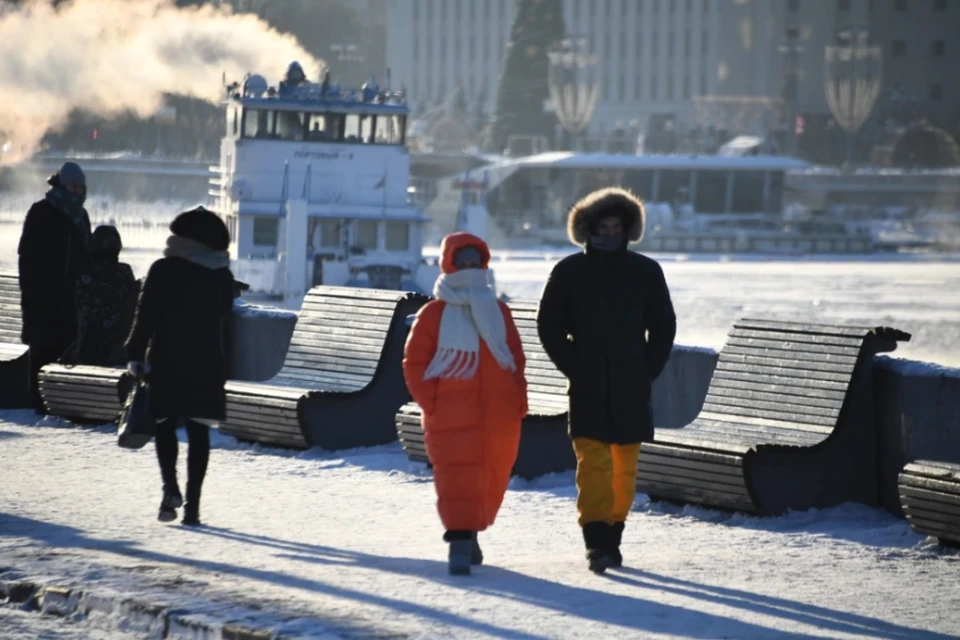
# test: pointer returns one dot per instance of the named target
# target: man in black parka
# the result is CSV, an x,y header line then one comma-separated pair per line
x,y
607,323
54,251
177,342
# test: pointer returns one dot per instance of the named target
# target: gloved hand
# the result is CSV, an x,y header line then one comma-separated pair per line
x,y
138,369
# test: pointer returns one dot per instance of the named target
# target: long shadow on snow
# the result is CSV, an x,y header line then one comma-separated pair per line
x,y
633,613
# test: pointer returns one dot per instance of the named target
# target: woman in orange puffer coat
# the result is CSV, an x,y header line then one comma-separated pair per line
x,y
463,363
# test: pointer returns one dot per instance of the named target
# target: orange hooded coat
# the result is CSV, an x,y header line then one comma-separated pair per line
x,y
471,427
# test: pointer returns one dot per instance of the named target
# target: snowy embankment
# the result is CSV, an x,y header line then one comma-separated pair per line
x,y
348,543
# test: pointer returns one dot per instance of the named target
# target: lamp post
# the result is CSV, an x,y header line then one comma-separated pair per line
x,y
791,50
852,81
574,83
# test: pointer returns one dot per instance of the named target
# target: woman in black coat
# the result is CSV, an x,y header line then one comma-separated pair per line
x,y
186,298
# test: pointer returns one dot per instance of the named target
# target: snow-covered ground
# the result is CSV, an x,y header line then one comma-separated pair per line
x,y
915,293
348,544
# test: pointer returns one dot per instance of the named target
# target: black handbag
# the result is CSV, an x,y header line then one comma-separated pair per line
x,y
137,424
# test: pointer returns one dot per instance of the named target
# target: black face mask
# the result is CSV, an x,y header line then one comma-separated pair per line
x,y
607,243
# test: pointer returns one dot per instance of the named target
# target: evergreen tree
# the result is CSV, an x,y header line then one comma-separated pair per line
x,y
537,27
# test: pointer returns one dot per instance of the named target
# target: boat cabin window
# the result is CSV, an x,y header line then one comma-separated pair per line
x,y
398,236
302,126
319,128
358,128
366,234
388,130
290,125
258,123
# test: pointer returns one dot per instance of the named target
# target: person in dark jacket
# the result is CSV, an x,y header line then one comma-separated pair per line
x,y
186,299
53,251
106,301
606,321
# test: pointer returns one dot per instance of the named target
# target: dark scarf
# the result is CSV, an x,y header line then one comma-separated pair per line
x,y
71,204
196,252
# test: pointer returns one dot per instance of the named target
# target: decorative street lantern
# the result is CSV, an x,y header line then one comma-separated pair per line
x,y
852,81
574,84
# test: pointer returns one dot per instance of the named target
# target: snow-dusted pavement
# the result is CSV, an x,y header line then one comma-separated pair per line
x,y
348,544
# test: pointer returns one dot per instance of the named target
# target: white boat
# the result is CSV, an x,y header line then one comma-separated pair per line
x,y
313,185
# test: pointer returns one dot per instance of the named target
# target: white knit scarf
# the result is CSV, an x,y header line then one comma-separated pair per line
x,y
472,312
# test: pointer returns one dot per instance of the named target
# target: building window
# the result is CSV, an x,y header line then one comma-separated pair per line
x,y
793,6
936,92
940,5
670,44
655,48
900,5
329,234
654,87
703,83
687,44
670,86
656,6
636,87
398,236
366,234
898,48
686,86
639,46
416,50
703,43
266,232
939,47
416,10
622,95
843,5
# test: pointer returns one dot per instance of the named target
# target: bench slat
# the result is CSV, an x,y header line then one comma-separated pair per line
x,y
783,326
762,364
805,339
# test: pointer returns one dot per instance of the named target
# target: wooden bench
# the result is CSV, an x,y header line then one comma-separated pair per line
x,y
14,362
544,444
787,423
82,393
342,381
930,497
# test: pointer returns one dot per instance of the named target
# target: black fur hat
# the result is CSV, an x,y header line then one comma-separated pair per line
x,y
612,201
204,226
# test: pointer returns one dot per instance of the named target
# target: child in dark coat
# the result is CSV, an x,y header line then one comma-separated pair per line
x,y
106,300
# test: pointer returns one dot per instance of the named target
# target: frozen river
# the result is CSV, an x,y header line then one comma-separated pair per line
x,y
919,295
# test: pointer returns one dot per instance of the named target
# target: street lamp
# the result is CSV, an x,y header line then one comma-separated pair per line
x,y
574,83
791,50
852,81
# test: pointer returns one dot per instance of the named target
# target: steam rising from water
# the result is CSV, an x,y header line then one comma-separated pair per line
x,y
112,56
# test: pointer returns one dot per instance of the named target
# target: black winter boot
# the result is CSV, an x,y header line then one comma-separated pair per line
x,y
597,538
171,501
616,535
476,554
461,551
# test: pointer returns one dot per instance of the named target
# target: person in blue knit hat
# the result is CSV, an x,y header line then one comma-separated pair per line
x,y
53,252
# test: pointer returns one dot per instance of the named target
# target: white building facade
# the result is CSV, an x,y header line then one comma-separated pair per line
x,y
654,55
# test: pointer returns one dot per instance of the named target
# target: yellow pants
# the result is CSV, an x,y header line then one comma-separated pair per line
x,y
606,480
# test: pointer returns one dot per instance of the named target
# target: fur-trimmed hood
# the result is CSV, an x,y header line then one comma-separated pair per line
x,y
610,201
